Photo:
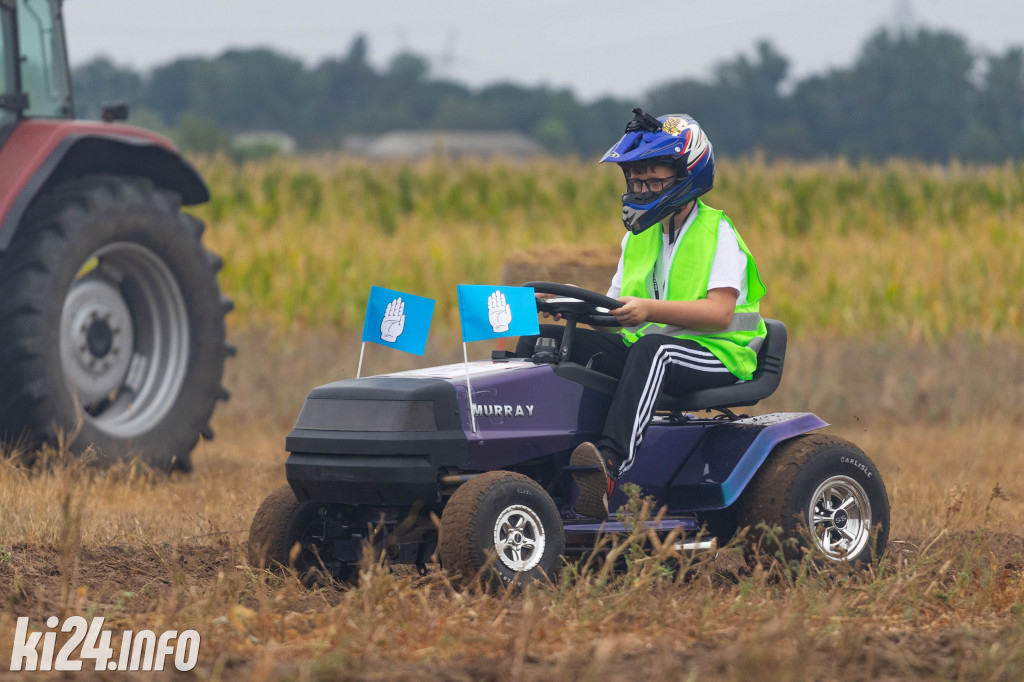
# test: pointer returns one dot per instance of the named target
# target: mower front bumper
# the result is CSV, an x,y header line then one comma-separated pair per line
x,y
362,479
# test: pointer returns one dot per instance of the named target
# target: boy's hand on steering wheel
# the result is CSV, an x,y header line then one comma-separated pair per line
x,y
544,297
555,316
633,312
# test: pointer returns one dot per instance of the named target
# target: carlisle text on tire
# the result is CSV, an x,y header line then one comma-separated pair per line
x,y
824,492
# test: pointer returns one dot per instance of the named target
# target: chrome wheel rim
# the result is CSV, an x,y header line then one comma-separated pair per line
x,y
519,538
840,518
124,339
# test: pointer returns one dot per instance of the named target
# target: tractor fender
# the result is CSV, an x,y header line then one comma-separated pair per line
x,y
42,153
727,458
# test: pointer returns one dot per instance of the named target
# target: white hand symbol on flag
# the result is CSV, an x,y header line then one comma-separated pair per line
x,y
499,313
394,321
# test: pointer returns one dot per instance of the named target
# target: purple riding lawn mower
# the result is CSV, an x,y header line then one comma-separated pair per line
x,y
372,459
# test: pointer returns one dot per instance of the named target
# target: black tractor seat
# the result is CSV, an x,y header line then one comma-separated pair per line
x,y
766,379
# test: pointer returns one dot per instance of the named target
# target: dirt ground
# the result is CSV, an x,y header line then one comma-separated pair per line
x,y
178,579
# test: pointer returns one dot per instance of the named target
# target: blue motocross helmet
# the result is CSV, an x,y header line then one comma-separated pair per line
x,y
676,140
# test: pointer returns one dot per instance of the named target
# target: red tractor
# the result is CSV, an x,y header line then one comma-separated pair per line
x,y
111,318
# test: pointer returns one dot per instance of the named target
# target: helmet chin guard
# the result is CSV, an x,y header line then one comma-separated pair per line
x,y
675,140
633,217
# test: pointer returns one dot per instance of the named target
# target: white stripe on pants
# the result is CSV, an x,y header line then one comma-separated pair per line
x,y
665,356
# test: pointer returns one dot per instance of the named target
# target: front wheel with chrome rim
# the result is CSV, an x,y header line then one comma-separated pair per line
x,y
820,494
503,527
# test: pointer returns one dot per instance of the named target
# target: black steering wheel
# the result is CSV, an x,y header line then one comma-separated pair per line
x,y
577,304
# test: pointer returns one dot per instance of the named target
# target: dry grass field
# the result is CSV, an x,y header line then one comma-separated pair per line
x,y
155,552
936,403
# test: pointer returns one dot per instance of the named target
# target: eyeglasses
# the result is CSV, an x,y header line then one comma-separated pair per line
x,y
635,185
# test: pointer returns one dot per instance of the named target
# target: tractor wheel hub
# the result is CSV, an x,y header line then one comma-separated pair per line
x,y
97,338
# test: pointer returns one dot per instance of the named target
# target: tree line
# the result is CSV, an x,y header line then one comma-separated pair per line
x,y
921,94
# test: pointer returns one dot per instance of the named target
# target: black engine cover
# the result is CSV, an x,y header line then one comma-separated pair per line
x,y
377,441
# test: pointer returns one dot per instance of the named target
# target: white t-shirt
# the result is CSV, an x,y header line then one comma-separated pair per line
x,y
728,269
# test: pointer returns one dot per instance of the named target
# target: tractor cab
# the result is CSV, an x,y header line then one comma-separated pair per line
x,y
36,81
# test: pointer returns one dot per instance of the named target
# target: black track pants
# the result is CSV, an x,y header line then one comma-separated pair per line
x,y
642,369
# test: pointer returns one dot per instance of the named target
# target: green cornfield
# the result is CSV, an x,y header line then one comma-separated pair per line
x,y
895,251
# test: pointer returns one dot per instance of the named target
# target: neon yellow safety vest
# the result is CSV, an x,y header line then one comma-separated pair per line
x,y
736,346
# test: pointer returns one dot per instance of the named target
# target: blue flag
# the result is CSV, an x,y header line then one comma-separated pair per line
x,y
490,312
398,320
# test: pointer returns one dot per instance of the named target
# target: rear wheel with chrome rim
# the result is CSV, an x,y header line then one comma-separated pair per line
x,y
840,514
824,495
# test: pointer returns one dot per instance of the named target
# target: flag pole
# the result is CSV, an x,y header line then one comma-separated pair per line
x,y
359,369
469,389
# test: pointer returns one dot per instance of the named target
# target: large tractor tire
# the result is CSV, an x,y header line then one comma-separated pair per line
x,y
111,324
825,495
503,526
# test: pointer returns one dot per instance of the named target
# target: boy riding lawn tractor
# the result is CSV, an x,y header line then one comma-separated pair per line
x,y
523,457
370,460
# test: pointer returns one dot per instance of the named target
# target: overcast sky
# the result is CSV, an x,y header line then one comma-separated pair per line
x,y
592,47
